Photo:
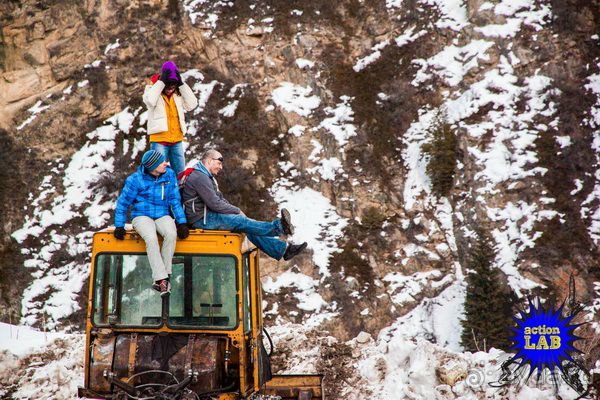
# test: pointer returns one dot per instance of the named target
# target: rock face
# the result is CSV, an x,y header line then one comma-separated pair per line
x,y
327,108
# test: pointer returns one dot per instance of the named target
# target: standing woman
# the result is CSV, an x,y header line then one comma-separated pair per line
x,y
167,99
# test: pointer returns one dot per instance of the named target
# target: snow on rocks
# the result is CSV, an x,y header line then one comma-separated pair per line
x,y
339,124
454,13
229,109
394,367
295,98
204,90
38,365
297,130
34,110
374,56
590,208
520,108
321,225
452,63
516,14
234,93
308,298
516,234
111,46
405,289
303,63
436,319
327,168
408,36
204,12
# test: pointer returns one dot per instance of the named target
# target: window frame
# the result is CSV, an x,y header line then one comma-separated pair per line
x,y
164,305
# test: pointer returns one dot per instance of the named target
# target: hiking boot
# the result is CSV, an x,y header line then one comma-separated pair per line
x,y
286,222
163,287
293,250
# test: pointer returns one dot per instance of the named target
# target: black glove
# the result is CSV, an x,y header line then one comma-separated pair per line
x,y
119,233
181,83
164,76
183,231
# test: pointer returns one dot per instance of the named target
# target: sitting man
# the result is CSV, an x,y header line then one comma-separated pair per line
x,y
206,208
153,191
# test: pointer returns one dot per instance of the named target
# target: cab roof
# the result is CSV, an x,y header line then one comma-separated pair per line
x,y
199,241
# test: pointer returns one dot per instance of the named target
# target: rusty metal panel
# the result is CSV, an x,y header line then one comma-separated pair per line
x,y
295,387
101,360
170,353
208,358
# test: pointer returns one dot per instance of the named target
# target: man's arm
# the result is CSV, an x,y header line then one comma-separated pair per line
x,y
128,195
175,203
152,93
203,186
190,101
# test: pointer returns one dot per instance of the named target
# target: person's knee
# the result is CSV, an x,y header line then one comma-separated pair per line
x,y
148,235
234,222
150,240
170,235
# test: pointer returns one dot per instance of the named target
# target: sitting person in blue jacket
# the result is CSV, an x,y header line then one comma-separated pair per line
x,y
151,192
206,208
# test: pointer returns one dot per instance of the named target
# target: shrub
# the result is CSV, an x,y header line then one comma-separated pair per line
x,y
372,218
443,153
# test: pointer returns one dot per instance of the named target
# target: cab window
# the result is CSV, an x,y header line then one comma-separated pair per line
x,y
203,292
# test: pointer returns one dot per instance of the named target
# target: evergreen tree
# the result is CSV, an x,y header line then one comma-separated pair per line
x,y
488,308
443,153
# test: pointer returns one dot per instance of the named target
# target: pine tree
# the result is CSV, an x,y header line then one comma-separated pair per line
x,y
488,308
443,153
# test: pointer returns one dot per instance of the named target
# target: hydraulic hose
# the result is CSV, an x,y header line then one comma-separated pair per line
x,y
272,347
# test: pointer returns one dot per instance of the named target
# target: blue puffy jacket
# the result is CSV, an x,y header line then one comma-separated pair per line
x,y
150,196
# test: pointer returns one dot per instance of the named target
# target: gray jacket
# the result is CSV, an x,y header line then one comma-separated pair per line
x,y
201,194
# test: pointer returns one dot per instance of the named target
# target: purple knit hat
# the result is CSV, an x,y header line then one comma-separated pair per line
x,y
172,68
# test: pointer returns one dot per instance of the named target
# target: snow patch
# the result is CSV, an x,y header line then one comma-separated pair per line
x,y
327,168
303,63
295,98
452,63
307,296
339,124
320,225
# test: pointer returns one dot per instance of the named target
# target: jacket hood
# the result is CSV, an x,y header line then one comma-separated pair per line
x,y
200,167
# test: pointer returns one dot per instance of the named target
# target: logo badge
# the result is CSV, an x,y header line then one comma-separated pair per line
x,y
544,338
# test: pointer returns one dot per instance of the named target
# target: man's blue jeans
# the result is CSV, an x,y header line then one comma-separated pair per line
x,y
262,234
173,154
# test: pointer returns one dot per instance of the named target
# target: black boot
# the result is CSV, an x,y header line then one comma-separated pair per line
x,y
286,222
293,250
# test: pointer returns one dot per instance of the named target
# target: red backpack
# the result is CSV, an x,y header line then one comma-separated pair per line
x,y
181,178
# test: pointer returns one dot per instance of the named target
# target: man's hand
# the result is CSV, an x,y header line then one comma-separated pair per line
x,y
181,82
119,233
164,76
183,231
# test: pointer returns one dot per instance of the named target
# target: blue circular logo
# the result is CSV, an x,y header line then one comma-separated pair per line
x,y
543,338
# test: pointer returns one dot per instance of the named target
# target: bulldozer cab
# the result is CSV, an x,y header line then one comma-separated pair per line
x,y
203,341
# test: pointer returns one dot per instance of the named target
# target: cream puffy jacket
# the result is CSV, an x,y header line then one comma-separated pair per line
x,y
157,113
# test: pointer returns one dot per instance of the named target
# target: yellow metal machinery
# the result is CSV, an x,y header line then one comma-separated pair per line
x,y
203,341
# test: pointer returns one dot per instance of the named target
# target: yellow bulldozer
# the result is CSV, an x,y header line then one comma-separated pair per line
x,y
203,341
